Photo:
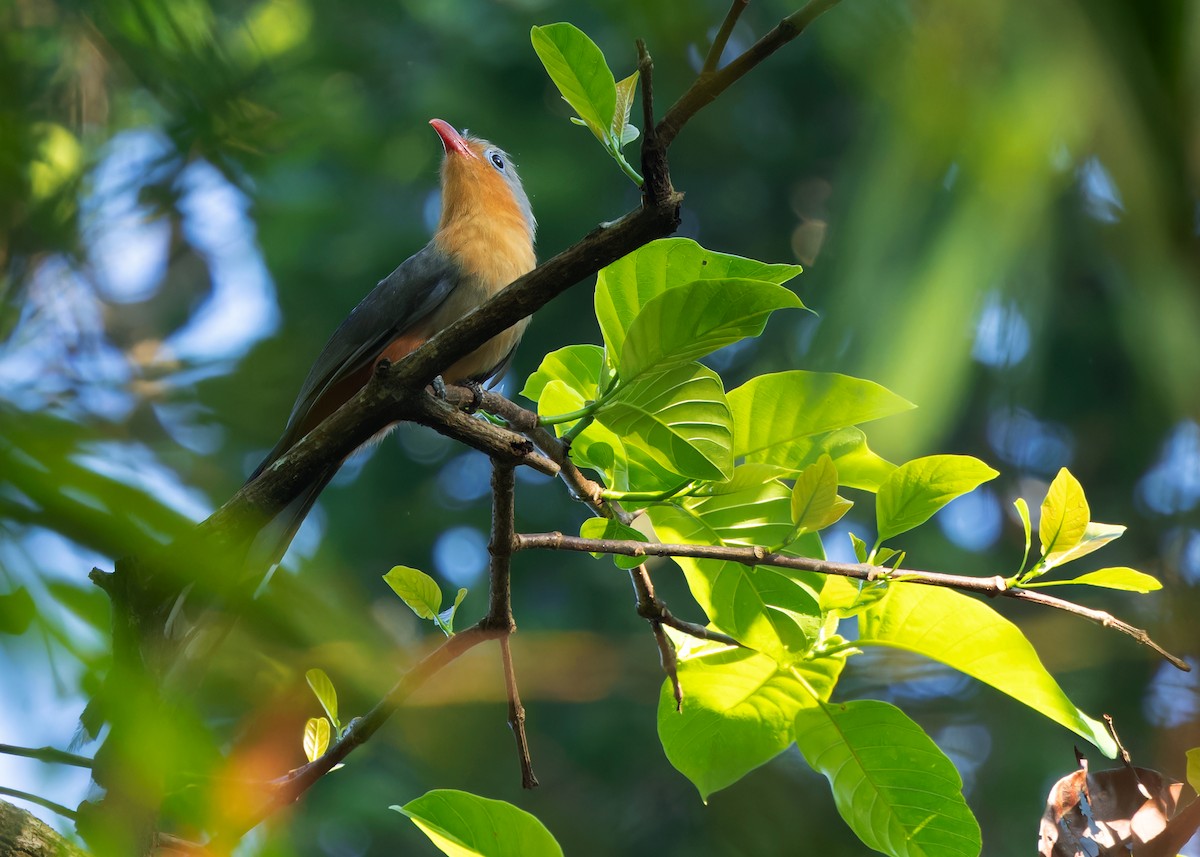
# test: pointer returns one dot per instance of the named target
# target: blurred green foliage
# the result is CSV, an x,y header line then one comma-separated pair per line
x,y
995,204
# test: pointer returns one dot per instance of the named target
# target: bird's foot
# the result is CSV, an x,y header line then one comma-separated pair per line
x,y
476,395
439,387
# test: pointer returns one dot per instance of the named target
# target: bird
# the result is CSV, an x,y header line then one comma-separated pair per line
x,y
484,240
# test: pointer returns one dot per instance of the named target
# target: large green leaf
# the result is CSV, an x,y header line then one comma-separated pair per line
x,y
625,467
686,323
579,70
773,412
771,610
893,786
629,283
968,635
1065,517
577,366
738,713
465,825
857,465
918,488
678,418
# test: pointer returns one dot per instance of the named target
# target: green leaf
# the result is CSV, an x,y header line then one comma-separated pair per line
x,y
323,688
622,132
1095,536
918,488
1117,577
815,502
771,610
860,548
608,528
465,825
316,738
857,465
745,477
847,596
625,286
679,418
1065,516
416,589
738,713
16,611
968,635
578,366
445,619
893,786
579,70
1193,768
773,412
685,323
1023,512
626,467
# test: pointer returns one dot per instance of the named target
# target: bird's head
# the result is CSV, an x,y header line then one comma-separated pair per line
x,y
479,180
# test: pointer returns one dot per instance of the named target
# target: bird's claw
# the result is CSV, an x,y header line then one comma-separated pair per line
x,y
476,395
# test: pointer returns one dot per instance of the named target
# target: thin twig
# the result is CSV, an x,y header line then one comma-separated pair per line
x,y
516,716
707,87
752,556
651,609
47,754
718,46
40,801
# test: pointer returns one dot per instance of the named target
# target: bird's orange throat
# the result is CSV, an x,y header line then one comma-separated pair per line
x,y
482,227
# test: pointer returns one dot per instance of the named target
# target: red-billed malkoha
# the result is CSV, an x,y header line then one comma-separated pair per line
x,y
483,242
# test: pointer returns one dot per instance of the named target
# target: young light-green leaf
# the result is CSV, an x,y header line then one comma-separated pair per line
x,y
579,70
688,322
608,528
446,617
892,785
918,488
1193,768
679,418
577,366
623,132
465,825
773,412
738,713
416,589
968,635
323,688
1023,513
857,465
1065,516
1117,577
815,501
1095,536
625,286
316,738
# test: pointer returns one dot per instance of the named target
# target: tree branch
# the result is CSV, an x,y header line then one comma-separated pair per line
x,y
707,87
47,754
753,556
722,38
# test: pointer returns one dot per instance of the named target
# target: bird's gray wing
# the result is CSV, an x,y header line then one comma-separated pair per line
x,y
401,299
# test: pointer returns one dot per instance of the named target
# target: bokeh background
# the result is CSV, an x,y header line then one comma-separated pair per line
x,y
996,206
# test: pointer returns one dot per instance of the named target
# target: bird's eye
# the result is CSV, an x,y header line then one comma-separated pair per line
x,y
497,161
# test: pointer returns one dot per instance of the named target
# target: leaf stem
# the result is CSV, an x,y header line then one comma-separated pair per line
x,y
626,168
647,496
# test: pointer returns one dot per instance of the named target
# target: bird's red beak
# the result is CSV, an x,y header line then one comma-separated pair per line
x,y
452,141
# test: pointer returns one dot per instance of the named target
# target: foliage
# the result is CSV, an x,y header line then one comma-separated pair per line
x,y
951,194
